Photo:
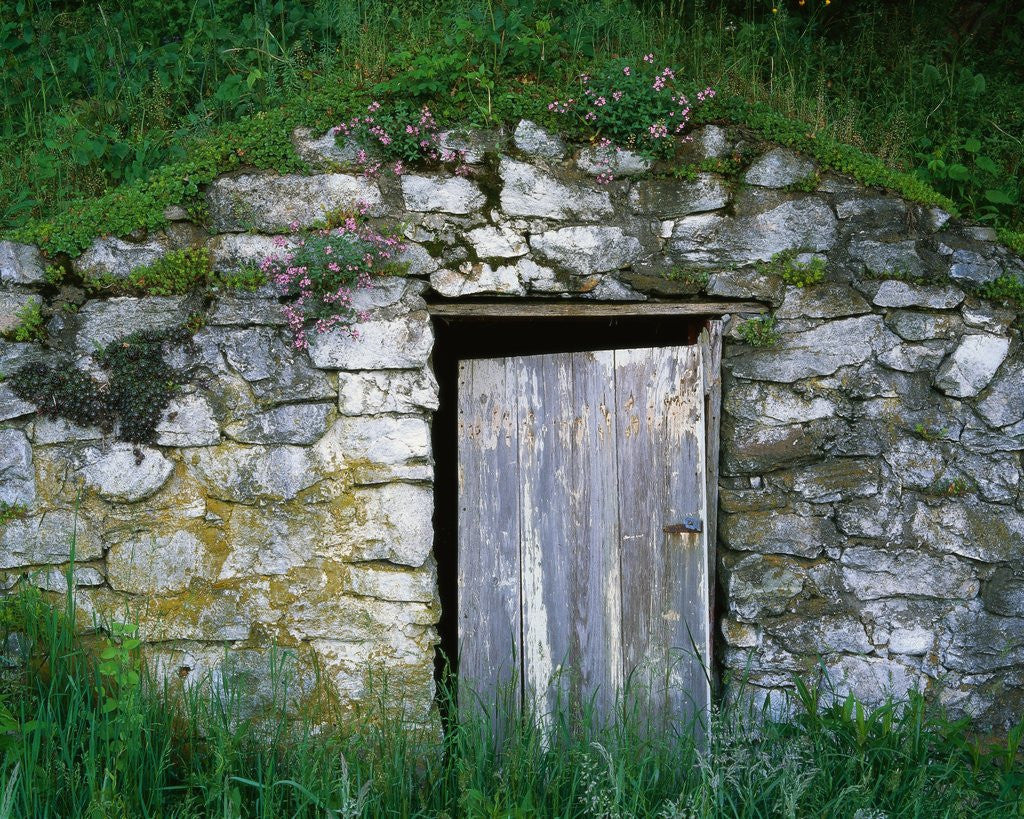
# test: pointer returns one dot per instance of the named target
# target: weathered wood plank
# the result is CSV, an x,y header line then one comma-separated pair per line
x,y
711,357
595,583
518,309
660,409
489,614
545,407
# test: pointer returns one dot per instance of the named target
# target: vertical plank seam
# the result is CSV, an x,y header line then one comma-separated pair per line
x,y
618,523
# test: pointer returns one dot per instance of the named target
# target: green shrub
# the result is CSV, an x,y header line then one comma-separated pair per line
x,y
31,325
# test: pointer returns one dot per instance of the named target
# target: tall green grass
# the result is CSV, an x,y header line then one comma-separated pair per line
x,y
80,736
94,95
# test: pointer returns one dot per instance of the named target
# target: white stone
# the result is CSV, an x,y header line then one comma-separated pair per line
x,y
11,406
711,238
119,257
247,474
20,264
872,573
617,161
264,202
270,541
10,305
17,475
287,424
232,251
420,262
56,580
872,680
586,250
773,405
611,289
47,430
103,321
383,344
778,168
527,191
533,140
497,242
384,440
676,198
47,539
126,472
477,277
394,523
154,564
894,293
323,150
1004,403
187,421
374,392
447,195
399,585
710,142
882,258
971,366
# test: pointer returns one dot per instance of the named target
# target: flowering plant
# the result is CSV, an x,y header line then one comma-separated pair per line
x,y
321,270
636,106
399,133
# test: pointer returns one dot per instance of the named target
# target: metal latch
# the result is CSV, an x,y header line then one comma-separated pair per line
x,y
689,524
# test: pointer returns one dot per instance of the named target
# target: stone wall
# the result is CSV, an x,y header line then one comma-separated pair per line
x,y
871,513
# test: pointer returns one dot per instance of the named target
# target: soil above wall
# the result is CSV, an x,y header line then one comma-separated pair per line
x,y
871,516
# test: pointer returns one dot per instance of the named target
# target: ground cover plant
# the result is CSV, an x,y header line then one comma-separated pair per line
x,y
86,731
95,99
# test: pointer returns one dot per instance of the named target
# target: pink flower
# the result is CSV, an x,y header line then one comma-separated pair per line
x,y
626,71
616,95
648,58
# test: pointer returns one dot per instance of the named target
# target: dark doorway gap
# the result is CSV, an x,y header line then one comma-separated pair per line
x,y
466,337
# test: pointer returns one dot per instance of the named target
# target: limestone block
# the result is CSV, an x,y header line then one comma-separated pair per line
x,y
533,140
527,191
916,464
777,169
671,200
47,538
893,293
1004,592
11,406
248,474
375,392
385,440
286,424
981,642
973,268
746,284
395,583
437,194
824,301
540,279
586,250
497,242
776,532
912,325
821,635
125,472
800,224
17,474
915,358
474,278
750,448
56,580
419,261
188,421
872,572
1003,404
888,257
157,563
103,321
763,585
836,479
819,351
263,202
10,305
872,680
20,264
971,366
618,161
323,150
274,539
774,405
274,369
385,344
969,528
47,430
116,257
233,251
872,211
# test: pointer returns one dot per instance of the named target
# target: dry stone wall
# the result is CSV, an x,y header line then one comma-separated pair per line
x,y
871,512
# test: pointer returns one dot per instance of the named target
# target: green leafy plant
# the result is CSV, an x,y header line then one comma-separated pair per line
x,y
1007,289
758,332
11,511
31,325
793,270
690,276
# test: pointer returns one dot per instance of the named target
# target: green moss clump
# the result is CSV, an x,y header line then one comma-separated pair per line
x,y
799,274
11,511
140,386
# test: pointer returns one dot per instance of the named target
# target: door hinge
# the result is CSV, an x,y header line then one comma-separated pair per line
x,y
690,524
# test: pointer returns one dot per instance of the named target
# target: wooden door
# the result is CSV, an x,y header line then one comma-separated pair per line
x,y
580,477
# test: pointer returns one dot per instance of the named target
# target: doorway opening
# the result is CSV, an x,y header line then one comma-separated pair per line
x,y
463,335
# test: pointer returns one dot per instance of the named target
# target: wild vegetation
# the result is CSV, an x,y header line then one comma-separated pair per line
x,y
85,731
100,96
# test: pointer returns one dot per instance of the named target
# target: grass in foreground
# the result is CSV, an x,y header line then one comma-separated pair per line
x,y
88,733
